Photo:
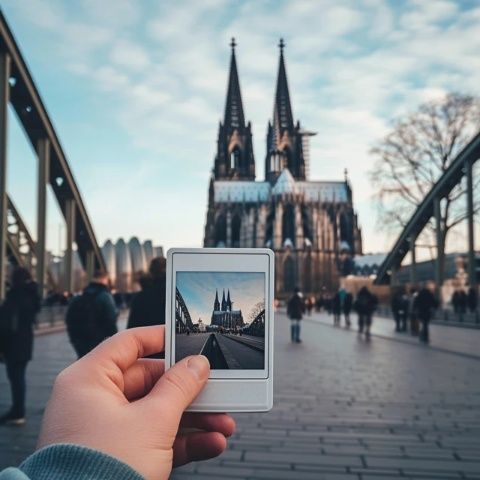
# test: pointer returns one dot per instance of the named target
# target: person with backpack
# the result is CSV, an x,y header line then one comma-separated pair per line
x,y
425,304
295,311
365,305
92,316
17,319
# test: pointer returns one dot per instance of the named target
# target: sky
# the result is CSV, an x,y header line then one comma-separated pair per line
x,y
136,91
198,289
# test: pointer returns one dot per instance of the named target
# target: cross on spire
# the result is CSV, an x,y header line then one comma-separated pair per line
x,y
281,45
233,43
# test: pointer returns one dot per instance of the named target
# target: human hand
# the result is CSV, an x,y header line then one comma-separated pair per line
x,y
119,403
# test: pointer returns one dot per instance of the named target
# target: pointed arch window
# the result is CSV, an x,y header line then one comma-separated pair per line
x,y
235,157
221,231
289,274
236,226
288,224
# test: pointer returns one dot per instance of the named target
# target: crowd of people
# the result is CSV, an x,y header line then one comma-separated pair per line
x,y
412,311
91,317
341,303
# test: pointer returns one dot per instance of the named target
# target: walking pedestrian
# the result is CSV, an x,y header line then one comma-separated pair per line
x,y
295,310
459,303
309,305
17,319
347,307
472,300
365,305
412,312
92,316
425,304
399,305
336,308
148,305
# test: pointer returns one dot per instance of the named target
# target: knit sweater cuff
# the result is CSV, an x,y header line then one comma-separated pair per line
x,y
63,461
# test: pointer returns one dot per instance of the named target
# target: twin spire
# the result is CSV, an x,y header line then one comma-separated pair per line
x,y
226,305
285,146
282,109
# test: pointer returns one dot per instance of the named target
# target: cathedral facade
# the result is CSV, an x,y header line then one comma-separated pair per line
x,y
223,314
310,225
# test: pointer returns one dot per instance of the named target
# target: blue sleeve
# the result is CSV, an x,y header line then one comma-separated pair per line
x,y
70,462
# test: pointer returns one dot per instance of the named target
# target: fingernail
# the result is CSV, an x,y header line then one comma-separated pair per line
x,y
199,365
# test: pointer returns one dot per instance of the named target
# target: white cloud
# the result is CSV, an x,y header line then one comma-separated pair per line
x,y
352,67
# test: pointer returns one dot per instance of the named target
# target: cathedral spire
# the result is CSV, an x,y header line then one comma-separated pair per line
x,y
234,159
284,137
229,302
282,109
234,116
224,303
216,304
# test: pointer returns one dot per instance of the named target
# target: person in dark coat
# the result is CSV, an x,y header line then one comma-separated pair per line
x,y
148,305
92,316
295,310
17,319
347,307
336,308
365,304
424,305
399,306
472,300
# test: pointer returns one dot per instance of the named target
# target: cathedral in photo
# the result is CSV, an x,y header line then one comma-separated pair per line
x,y
311,225
223,314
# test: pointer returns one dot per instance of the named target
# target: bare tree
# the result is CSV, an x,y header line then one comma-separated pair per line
x,y
413,156
257,308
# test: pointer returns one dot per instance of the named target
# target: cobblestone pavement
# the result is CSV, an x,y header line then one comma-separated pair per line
x,y
344,408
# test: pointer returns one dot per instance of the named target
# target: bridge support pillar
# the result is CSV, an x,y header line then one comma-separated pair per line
x,y
70,211
413,264
90,264
4,98
470,221
43,151
438,231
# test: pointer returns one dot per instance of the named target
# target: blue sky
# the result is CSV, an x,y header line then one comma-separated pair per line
x,y
198,291
136,91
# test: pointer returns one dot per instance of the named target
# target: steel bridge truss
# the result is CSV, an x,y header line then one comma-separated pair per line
x,y
18,89
430,207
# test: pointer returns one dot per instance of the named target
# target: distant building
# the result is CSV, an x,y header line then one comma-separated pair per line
x,y
223,314
126,261
310,225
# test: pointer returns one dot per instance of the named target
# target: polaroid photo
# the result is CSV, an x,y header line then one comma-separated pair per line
x,y
220,304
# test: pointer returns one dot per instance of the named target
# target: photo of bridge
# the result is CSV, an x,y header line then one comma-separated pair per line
x,y
230,337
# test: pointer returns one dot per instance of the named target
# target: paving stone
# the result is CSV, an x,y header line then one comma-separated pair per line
x,y
344,410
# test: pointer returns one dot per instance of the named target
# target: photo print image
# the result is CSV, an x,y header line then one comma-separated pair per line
x,y
221,315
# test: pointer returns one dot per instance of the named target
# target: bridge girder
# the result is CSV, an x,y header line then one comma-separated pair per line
x,y
25,99
461,166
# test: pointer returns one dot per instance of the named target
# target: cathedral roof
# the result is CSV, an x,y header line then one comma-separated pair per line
x,y
230,191
285,183
240,191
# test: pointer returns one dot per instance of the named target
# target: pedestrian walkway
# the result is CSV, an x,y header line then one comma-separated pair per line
x,y
344,409
446,338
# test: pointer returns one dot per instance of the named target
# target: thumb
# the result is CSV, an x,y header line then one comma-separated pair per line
x,y
179,385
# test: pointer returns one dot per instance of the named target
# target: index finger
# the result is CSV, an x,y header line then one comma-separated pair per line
x,y
126,347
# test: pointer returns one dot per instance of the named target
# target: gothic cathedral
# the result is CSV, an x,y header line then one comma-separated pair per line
x,y
310,225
